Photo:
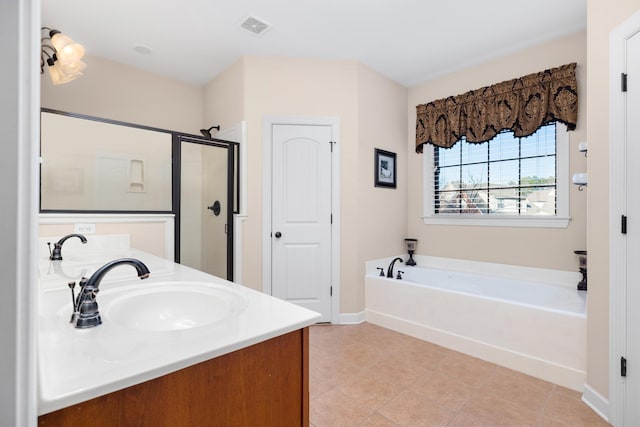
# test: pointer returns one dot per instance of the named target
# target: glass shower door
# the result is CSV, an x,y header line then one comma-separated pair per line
x,y
206,207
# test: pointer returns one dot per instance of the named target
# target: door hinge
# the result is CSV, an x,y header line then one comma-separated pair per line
x,y
623,82
331,143
331,219
623,224
623,367
330,291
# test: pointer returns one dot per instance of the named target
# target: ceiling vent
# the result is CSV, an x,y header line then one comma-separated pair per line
x,y
255,26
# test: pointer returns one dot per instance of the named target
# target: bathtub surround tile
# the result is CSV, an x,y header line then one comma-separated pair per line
x,y
367,376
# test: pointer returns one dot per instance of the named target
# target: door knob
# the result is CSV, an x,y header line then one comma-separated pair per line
x,y
278,234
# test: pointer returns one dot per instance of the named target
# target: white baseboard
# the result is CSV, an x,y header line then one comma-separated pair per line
x,y
596,401
351,318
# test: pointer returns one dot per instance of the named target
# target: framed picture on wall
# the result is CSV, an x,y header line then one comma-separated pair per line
x,y
385,169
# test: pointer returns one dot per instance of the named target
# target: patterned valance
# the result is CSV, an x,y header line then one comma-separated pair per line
x,y
521,105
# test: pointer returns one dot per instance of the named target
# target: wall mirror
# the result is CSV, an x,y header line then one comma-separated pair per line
x,y
89,165
94,165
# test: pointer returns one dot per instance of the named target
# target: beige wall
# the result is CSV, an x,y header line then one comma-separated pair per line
x,y
381,212
119,92
372,112
300,87
534,247
602,17
223,98
149,237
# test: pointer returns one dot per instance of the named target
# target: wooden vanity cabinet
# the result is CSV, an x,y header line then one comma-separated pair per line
x,y
263,385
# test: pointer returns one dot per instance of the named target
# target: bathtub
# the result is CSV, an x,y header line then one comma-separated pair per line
x,y
529,320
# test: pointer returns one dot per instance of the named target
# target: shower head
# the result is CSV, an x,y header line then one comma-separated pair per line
x,y
207,132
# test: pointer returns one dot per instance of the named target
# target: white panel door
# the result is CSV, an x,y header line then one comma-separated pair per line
x,y
632,381
301,216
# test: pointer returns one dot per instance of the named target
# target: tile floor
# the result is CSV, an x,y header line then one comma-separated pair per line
x,y
365,376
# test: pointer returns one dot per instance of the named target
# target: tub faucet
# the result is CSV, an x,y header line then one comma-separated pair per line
x,y
56,254
85,309
390,269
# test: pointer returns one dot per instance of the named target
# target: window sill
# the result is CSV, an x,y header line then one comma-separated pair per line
x,y
499,221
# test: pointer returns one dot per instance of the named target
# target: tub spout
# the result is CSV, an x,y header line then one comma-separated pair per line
x,y
390,269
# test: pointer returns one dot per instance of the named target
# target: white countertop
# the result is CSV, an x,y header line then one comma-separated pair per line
x,y
75,365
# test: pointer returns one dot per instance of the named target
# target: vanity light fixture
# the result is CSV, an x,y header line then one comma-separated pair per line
x,y
62,55
207,132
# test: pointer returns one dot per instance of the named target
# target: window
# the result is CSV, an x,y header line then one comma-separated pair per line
x,y
507,181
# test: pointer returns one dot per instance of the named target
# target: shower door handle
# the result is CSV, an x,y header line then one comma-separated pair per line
x,y
215,208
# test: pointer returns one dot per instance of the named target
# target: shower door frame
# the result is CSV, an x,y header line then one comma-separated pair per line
x,y
233,196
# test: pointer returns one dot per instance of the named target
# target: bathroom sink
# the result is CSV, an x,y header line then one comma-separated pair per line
x,y
169,306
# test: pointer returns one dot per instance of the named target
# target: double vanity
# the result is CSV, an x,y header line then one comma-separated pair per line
x,y
180,348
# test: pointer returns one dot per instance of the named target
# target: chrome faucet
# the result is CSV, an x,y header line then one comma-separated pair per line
x,y
56,255
390,269
85,308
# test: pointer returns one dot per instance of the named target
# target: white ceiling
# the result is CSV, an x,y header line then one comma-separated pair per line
x,y
409,41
